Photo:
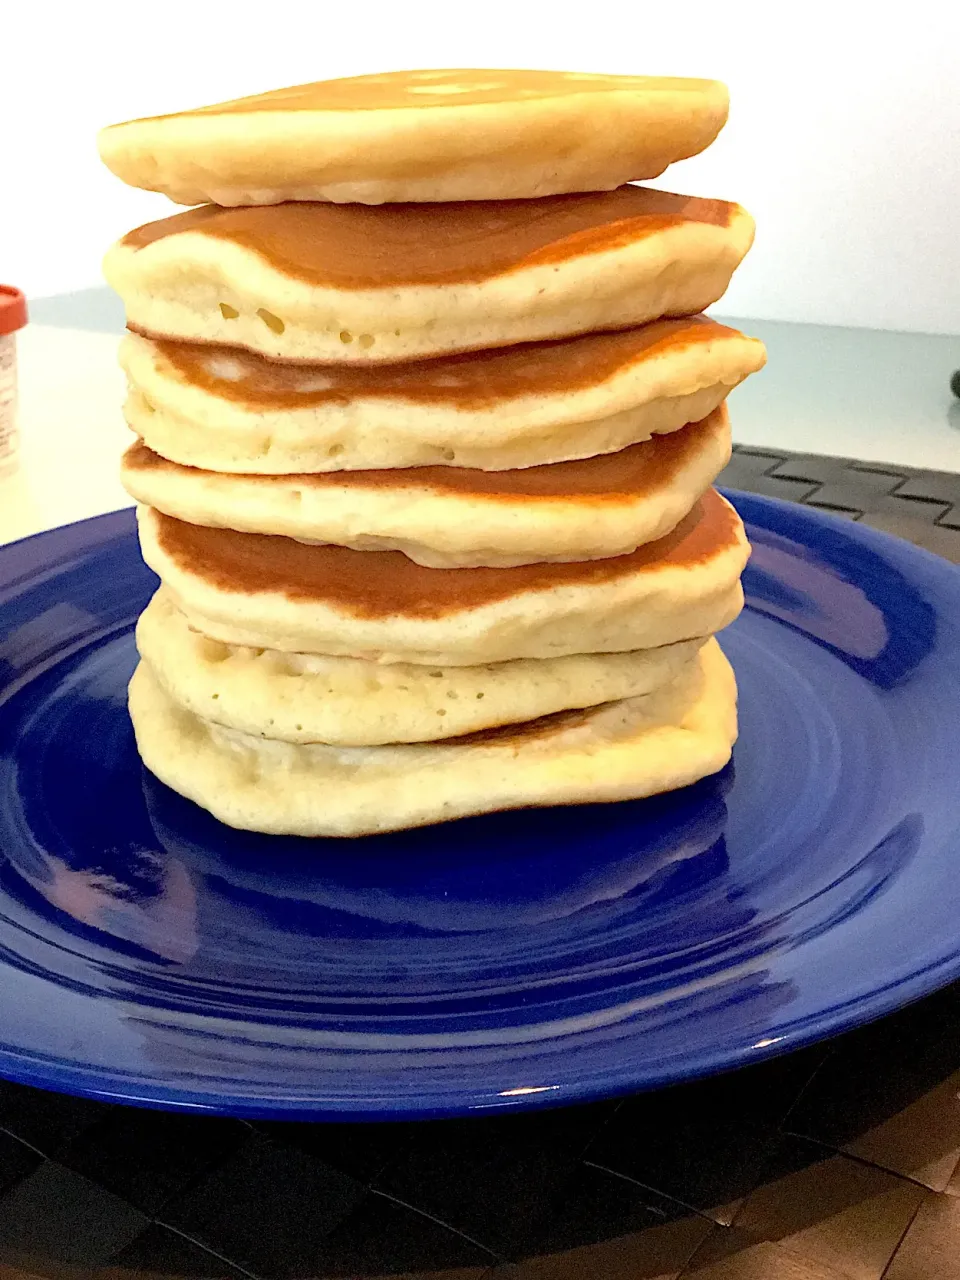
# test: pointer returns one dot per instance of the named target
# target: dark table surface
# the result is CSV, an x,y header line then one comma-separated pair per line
x,y
840,1161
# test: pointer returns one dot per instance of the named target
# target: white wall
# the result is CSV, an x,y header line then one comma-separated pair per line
x,y
844,139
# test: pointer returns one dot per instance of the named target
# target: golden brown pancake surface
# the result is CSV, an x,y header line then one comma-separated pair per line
x,y
354,246
613,477
378,584
470,380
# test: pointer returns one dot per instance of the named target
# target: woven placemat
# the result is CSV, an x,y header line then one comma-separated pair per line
x,y
838,1161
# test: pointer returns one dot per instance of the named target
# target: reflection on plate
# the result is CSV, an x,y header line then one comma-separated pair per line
x,y
150,954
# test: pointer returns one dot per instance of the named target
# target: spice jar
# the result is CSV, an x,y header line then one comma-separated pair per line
x,y
13,316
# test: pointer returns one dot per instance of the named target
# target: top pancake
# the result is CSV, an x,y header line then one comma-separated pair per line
x,y
421,136
334,283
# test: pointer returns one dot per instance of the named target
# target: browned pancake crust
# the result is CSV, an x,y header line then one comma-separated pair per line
x,y
355,246
627,476
383,584
508,735
472,380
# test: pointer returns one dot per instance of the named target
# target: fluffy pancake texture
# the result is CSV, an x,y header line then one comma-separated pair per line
x,y
298,697
619,751
447,517
421,136
226,410
360,284
426,418
273,592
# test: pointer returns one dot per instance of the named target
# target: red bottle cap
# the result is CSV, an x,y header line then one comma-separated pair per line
x,y
13,309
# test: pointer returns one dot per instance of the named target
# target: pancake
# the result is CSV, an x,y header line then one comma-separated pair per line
x,y
272,592
421,135
450,517
350,702
542,402
359,284
620,751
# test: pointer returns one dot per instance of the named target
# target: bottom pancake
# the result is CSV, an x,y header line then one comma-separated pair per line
x,y
352,702
620,751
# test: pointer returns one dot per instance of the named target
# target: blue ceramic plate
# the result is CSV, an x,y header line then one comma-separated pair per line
x,y
151,955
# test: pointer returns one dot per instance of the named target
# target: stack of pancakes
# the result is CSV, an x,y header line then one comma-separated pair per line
x,y
427,421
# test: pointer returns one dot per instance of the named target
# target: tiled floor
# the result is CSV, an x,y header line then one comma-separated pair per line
x,y
842,1161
